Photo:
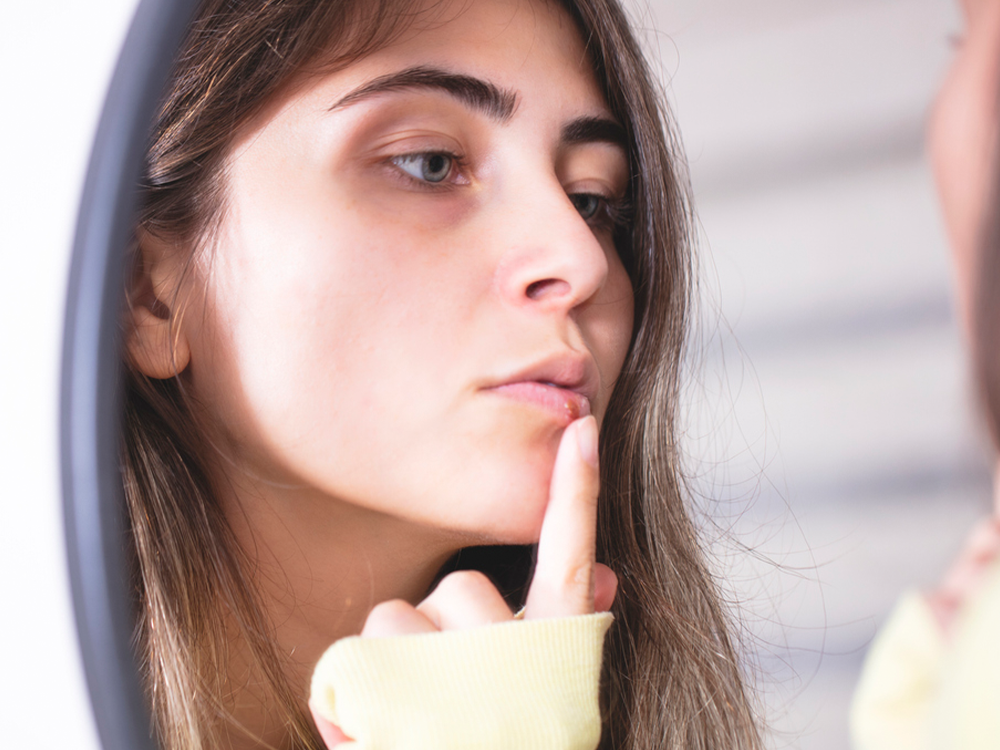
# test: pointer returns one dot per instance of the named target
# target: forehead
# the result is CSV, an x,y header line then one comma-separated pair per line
x,y
532,47
483,23
531,51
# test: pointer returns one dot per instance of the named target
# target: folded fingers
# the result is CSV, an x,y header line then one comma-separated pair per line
x,y
465,599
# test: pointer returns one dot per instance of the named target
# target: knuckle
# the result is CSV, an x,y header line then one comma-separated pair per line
x,y
580,576
465,583
571,592
389,613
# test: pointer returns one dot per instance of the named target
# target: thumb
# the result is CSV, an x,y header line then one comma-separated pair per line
x,y
605,588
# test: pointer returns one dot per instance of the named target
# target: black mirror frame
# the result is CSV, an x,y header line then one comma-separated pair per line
x,y
90,399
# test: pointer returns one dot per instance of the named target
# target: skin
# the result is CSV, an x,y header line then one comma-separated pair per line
x,y
370,348
961,135
961,139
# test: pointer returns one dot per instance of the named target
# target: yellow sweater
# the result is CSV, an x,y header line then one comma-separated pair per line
x,y
530,685
918,692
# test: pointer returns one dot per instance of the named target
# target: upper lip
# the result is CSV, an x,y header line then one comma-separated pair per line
x,y
569,370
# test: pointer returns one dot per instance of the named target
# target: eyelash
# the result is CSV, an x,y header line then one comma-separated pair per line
x,y
611,213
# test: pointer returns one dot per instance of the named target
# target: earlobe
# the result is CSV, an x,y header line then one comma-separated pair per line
x,y
155,342
155,348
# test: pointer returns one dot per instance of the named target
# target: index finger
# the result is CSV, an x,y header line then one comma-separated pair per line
x,y
563,584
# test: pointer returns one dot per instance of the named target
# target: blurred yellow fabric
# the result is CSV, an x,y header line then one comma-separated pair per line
x,y
918,692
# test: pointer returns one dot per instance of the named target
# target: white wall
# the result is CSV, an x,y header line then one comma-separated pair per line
x,y
56,59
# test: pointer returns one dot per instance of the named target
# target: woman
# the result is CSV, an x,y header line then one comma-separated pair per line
x,y
932,679
396,262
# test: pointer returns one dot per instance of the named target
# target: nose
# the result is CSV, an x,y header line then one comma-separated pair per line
x,y
552,260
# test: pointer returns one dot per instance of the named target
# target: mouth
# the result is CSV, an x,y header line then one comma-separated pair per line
x,y
563,386
562,402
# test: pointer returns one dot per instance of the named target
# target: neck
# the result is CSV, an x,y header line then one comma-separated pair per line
x,y
319,566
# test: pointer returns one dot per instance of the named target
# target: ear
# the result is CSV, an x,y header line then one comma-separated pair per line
x,y
154,338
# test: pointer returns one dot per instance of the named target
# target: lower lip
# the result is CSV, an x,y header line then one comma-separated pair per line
x,y
562,402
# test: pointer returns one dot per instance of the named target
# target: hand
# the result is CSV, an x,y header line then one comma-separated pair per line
x,y
966,573
567,579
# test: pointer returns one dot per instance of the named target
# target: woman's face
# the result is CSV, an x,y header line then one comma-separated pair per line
x,y
415,290
962,134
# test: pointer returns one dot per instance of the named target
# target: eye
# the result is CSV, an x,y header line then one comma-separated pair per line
x,y
433,166
587,204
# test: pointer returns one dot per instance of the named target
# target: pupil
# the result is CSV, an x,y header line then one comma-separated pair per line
x,y
586,204
437,167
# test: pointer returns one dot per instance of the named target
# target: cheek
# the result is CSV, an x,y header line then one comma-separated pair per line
x,y
304,324
613,325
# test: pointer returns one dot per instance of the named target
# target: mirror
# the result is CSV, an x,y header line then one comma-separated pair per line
x,y
89,410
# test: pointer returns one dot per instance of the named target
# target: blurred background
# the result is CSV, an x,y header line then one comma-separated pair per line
x,y
55,64
828,427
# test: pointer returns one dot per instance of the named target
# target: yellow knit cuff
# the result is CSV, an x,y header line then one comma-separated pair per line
x,y
899,681
527,685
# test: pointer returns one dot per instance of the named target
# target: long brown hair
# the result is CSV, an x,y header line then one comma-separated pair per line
x,y
672,677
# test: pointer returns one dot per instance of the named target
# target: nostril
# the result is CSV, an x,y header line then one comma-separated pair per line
x,y
546,287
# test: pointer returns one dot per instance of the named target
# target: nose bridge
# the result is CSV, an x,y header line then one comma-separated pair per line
x,y
550,255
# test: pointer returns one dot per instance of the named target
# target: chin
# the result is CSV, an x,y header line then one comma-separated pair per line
x,y
487,483
512,510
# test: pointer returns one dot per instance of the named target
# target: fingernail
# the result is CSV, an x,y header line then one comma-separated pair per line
x,y
586,439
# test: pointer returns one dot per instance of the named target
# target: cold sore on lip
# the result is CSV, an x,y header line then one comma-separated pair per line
x,y
547,396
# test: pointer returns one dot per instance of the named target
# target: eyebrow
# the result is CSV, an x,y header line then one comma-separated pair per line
x,y
497,103
594,129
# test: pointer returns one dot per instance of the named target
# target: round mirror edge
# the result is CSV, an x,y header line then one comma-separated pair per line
x,y
90,398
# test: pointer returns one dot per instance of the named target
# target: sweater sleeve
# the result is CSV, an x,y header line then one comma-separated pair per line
x,y
899,682
531,685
